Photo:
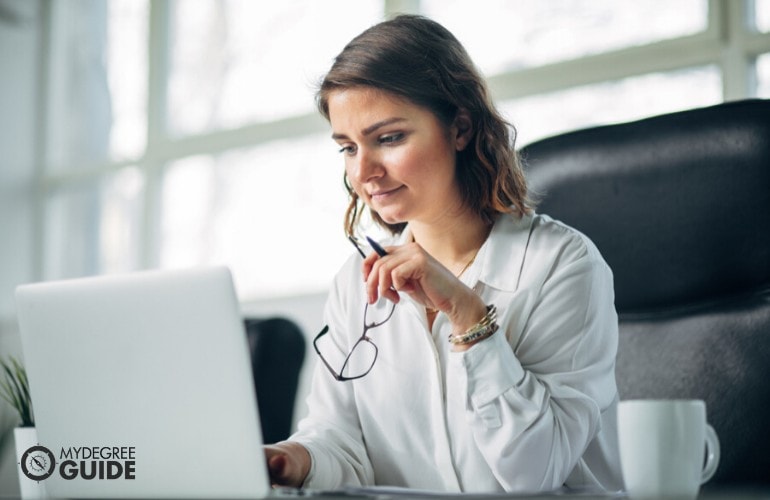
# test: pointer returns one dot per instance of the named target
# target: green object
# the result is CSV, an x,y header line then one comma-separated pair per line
x,y
14,388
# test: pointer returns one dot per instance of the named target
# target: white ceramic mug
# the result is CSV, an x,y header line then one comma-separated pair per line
x,y
667,448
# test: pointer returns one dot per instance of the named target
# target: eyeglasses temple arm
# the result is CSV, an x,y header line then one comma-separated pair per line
x,y
355,244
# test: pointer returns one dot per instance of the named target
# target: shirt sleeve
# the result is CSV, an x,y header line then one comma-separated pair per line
x,y
535,405
331,431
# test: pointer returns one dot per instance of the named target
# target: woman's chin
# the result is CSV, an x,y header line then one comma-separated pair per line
x,y
391,218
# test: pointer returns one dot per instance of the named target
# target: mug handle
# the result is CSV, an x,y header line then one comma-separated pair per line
x,y
712,454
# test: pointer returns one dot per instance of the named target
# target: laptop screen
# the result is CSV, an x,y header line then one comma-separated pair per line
x,y
141,386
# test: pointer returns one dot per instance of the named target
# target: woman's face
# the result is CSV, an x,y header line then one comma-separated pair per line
x,y
399,158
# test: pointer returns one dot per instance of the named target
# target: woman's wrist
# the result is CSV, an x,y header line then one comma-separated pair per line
x,y
483,329
467,312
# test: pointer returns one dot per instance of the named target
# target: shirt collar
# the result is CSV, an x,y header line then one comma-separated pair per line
x,y
501,258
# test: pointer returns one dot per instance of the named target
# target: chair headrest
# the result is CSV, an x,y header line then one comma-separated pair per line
x,y
678,204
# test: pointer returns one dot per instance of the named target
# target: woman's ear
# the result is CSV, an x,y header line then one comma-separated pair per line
x,y
463,129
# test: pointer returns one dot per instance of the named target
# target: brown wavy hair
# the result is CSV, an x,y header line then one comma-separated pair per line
x,y
417,59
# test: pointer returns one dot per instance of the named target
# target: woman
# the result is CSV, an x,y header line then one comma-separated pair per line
x,y
494,327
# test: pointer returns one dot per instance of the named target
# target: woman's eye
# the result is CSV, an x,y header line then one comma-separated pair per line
x,y
391,138
348,150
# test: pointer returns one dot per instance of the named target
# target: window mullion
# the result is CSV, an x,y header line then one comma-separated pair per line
x,y
158,58
392,7
157,85
696,50
41,158
735,62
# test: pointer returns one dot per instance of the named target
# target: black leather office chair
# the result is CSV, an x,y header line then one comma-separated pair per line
x,y
277,353
679,205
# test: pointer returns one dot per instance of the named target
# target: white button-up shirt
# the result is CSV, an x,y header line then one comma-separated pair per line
x,y
531,408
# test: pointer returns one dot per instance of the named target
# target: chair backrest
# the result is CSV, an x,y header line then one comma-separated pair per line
x,y
277,354
679,205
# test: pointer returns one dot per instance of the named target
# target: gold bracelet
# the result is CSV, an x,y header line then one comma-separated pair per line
x,y
481,330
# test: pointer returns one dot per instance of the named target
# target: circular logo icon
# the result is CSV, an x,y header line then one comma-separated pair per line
x,y
38,463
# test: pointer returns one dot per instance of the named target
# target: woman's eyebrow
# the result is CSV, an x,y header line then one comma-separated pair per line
x,y
371,128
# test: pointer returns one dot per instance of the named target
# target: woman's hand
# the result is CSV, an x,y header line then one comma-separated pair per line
x,y
410,269
288,463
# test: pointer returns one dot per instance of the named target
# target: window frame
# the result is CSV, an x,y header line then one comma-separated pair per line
x,y
729,41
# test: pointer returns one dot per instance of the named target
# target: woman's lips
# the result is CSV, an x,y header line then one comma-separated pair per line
x,y
384,194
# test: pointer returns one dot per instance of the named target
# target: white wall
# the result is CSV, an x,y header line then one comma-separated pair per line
x,y
19,68
20,30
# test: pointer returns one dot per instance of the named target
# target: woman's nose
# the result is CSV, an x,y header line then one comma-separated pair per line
x,y
366,166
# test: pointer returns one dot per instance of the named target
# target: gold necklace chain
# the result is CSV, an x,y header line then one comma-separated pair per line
x,y
430,310
468,264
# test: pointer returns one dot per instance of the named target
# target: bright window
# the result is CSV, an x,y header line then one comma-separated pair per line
x,y
126,56
273,213
763,76
762,15
95,227
234,62
504,35
609,102
235,167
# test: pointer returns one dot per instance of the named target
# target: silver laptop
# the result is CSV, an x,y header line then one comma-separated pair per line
x,y
141,387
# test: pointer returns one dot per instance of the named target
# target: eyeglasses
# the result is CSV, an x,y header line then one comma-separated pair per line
x,y
361,358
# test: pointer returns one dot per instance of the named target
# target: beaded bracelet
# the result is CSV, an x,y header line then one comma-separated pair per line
x,y
481,330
